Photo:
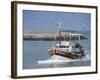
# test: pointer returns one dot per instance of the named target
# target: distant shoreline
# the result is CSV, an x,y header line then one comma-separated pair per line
x,y
52,39
51,36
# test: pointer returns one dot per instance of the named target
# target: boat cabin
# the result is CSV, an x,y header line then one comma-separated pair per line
x,y
64,46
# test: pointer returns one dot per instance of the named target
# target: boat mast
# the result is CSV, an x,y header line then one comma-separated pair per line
x,y
59,32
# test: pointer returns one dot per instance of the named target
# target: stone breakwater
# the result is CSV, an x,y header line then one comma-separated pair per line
x,y
50,36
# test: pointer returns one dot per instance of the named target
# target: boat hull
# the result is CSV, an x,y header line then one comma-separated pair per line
x,y
68,54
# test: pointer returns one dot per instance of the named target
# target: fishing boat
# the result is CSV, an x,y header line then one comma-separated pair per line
x,y
68,48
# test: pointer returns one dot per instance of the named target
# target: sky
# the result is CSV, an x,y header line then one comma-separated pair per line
x,y
49,21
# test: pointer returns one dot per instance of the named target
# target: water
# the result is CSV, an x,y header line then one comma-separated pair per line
x,y
36,51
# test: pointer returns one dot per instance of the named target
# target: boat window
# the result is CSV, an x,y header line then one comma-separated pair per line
x,y
63,46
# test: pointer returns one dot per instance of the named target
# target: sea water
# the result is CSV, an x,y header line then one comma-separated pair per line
x,y
35,55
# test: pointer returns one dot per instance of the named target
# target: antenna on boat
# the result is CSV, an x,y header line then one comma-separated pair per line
x,y
59,30
60,24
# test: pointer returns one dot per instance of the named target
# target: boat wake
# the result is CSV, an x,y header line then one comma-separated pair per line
x,y
59,59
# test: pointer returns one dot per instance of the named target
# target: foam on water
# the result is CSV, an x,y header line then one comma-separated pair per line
x,y
60,59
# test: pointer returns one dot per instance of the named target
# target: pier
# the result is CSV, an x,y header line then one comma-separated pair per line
x,y
49,36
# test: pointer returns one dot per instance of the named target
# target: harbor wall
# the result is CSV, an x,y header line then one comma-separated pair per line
x,y
49,36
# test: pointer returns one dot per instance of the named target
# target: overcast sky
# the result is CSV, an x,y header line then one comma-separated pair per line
x,y
49,20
